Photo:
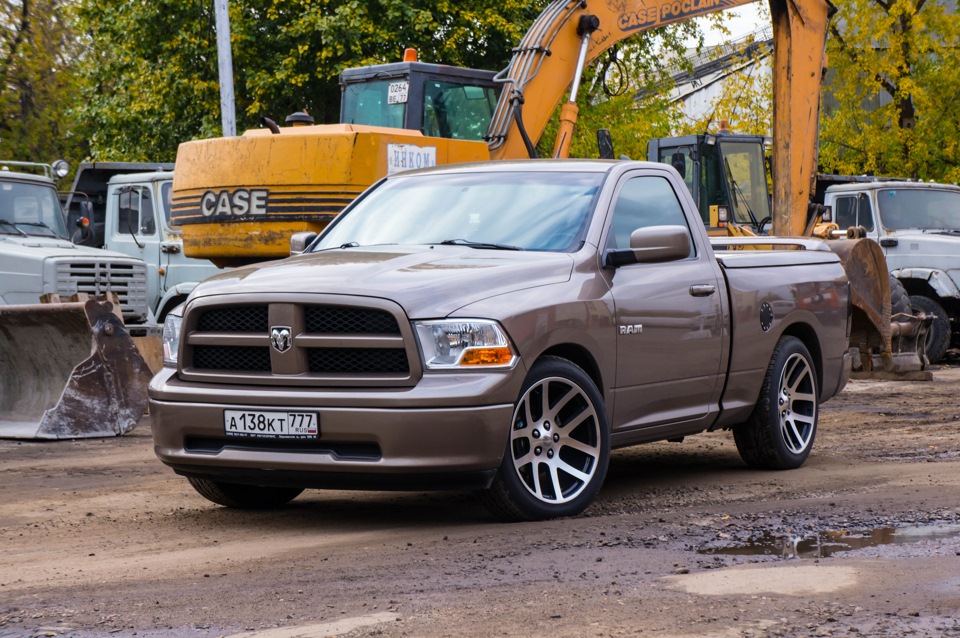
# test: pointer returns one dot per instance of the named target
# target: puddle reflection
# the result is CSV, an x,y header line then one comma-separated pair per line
x,y
829,542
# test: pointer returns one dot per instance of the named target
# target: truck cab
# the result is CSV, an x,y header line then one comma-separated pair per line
x,y
37,257
137,222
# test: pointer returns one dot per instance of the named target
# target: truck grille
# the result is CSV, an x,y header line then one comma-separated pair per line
x,y
127,279
299,344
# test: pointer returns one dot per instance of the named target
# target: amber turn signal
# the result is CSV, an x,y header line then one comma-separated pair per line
x,y
487,357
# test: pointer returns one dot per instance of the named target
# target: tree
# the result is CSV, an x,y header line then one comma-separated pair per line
x,y
37,81
151,66
892,99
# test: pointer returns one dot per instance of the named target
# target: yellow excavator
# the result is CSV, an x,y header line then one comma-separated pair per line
x,y
239,200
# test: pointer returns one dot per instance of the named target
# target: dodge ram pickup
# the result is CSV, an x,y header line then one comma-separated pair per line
x,y
499,326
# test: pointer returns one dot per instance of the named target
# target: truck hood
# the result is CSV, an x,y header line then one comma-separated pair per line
x,y
427,281
44,247
924,249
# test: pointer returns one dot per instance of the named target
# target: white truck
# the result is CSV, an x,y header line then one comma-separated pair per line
x,y
129,212
918,226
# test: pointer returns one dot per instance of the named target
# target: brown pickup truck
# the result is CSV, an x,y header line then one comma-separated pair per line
x,y
499,326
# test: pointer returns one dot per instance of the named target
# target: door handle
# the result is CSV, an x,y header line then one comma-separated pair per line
x,y
702,290
169,247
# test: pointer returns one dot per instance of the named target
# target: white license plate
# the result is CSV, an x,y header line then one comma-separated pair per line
x,y
271,424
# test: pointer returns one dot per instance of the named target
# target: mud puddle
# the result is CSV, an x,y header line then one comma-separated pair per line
x,y
828,542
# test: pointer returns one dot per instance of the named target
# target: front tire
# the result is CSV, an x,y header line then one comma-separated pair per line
x,y
558,449
779,433
247,497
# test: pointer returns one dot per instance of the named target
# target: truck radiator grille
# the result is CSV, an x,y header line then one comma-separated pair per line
x,y
127,279
358,361
343,320
256,359
235,319
299,344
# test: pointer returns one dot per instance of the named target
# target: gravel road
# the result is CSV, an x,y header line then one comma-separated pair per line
x,y
99,539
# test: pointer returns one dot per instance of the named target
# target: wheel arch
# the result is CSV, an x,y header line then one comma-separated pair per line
x,y
582,357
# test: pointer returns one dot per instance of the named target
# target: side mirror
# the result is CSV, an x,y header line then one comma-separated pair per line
x,y
605,143
652,244
679,162
300,241
660,243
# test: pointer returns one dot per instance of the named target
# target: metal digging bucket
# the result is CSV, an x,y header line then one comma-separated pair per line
x,y
68,370
887,345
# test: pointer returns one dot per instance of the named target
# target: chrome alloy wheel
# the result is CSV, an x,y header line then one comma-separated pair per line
x,y
555,440
797,403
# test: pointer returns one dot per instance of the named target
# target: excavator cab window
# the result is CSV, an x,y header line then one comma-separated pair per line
x,y
713,185
375,103
457,111
747,180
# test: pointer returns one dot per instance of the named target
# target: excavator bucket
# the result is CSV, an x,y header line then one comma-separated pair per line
x,y
67,371
888,345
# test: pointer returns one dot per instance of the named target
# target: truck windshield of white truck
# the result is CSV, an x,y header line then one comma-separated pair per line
x,y
30,209
926,208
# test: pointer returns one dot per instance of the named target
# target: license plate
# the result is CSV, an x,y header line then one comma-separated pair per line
x,y
271,424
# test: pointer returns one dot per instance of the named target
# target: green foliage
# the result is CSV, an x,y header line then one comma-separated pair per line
x,y
152,77
894,82
634,98
37,82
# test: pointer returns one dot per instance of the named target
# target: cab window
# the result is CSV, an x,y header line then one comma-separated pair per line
x,y
853,211
457,111
642,202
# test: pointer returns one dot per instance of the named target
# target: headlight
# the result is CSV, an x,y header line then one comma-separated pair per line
x,y
464,344
171,336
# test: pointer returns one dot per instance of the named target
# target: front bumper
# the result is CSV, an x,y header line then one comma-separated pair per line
x,y
449,431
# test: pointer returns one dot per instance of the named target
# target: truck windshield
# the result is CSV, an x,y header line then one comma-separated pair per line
x,y
542,211
928,208
30,209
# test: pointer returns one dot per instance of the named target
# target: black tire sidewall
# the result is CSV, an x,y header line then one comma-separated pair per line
x,y
790,347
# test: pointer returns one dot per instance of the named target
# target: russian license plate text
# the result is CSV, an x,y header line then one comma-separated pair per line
x,y
271,424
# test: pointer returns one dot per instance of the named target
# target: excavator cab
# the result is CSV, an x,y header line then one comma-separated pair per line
x,y
435,99
727,176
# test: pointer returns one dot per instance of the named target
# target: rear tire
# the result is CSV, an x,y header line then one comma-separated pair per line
x,y
559,446
779,433
248,497
938,339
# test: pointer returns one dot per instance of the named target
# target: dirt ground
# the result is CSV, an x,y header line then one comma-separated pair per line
x,y
99,539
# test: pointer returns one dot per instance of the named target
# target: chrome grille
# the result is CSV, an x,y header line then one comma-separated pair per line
x,y
126,278
268,339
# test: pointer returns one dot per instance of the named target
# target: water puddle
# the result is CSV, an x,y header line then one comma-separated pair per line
x,y
826,543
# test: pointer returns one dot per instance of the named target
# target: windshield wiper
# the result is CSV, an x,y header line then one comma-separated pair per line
x,y
9,223
478,244
39,225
